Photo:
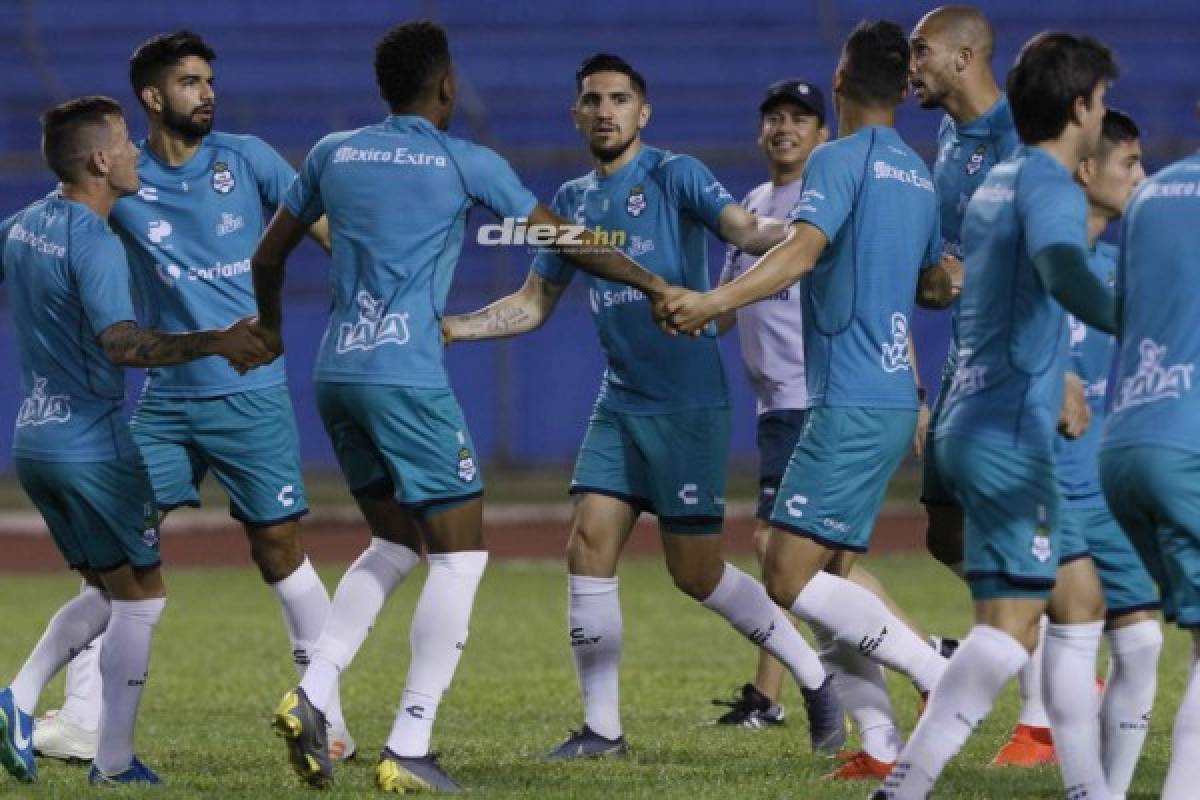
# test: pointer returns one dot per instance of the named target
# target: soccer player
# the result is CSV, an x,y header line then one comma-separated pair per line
x,y
189,233
1026,246
1109,177
865,237
73,313
659,433
1151,440
792,124
397,194
951,70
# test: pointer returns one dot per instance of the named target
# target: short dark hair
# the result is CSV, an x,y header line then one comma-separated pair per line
x,y
407,59
64,128
607,62
1052,70
161,52
875,60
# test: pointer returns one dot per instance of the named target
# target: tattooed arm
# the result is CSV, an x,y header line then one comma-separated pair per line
x,y
520,312
127,345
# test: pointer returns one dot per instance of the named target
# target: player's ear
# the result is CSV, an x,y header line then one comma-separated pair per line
x,y
1086,171
447,87
823,134
644,115
152,99
963,58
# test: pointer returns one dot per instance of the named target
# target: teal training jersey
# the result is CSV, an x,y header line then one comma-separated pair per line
x,y
189,234
1091,354
873,198
1154,400
656,208
67,282
965,155
1007,388
396,195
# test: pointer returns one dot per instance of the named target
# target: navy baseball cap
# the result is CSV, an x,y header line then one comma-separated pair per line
x,y
802,93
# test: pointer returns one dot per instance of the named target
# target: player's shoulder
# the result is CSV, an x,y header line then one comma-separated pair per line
x,y
242,144
328,143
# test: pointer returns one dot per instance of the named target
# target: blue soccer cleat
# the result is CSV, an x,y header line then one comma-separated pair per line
x,y
136,773
16,739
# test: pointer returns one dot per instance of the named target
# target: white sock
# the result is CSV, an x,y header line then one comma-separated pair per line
x,y
1128,699
859,618
437,637
1069,692
75,624
1029,682
83,691
745,605
985,661
1183,776
596,629
863,692
125,664
360,595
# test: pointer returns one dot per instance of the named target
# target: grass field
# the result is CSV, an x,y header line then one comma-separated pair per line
x,y
220,665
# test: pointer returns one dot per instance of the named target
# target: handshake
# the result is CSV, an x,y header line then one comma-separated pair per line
x,y
678,310
247,344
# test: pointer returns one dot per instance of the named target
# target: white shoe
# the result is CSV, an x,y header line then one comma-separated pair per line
x,y
56,736
341,746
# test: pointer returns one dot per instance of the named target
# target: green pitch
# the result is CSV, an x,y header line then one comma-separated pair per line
x,y
220,665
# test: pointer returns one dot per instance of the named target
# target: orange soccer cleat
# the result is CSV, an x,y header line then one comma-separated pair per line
x,y
1027,747
860,766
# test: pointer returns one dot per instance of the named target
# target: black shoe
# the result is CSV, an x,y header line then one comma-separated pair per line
x,y
826,720
400,774
303,727
586,743
750,708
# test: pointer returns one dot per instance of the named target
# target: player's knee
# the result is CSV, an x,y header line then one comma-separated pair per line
x,y
590,550
277,552
781,587
697,582
762,536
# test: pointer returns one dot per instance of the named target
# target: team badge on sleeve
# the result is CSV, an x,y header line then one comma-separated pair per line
x,y
975,162
636,203
466,465
222,179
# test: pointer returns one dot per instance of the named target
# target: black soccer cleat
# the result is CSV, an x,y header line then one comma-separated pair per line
x,y
303,727
749,708
826,719
586,743
400,774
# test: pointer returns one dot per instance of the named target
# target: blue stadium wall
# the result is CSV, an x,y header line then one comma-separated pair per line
x,y
292,71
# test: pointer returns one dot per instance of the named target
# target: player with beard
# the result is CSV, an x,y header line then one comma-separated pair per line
x,y
189,233
659,432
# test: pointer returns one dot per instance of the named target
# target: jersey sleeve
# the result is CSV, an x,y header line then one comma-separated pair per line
x,y
101,273
547,263
827,199
491,181
1052,212
303,198
696,190
272,173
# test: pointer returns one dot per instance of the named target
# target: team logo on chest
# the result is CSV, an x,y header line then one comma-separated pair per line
x,y
975,162
636,204
222,178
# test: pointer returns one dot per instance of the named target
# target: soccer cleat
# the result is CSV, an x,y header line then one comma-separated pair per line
x,y
1027,747
586,743
860,766
56,736
342,746
400,774
302,725
16,740
137,772
826,720
750,708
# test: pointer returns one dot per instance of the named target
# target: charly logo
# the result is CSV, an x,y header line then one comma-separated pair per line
x,y
286,496
896,356
975,162
1152,381
795,505
149,194
159,230
687,494
222,178
374,328
636,204
41,407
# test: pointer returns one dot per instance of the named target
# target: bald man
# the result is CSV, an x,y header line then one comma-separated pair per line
x,y
951,70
